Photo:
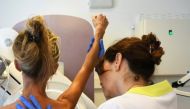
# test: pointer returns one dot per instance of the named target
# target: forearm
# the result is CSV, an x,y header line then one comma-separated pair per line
x,y
82,76
92,57
89,62
73,93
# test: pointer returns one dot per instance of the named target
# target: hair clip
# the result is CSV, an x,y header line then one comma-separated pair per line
x,y
33,38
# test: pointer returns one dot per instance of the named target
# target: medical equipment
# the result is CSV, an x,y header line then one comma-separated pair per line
x,y
56,85
6,56
3,69
7,37
181,83
4,78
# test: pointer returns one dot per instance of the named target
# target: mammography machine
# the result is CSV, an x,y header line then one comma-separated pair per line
x,y
11,88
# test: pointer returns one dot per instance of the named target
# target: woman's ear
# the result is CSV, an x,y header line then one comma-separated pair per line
x,y
17,66
118,60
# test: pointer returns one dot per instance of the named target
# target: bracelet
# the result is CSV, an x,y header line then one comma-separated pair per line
x,y
101,45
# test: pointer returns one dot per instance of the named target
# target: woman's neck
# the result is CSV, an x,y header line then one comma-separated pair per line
x,y
130,83
127,79
29,87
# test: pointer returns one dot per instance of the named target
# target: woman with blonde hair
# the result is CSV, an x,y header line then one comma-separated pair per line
x,y
36,55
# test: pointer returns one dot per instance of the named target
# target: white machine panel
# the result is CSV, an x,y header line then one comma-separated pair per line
x,y
174,35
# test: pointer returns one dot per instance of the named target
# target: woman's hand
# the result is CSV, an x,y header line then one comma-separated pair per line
x,y
100,23
30,105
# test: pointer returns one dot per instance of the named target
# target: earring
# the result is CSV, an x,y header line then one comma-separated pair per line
x,y
136,78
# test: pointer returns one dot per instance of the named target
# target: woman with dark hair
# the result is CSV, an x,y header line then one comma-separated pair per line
x,y
125,75
36,56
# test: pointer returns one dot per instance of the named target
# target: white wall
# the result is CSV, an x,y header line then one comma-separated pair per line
x,y
121,17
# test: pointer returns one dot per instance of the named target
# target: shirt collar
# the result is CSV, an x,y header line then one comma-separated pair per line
x,y
155,90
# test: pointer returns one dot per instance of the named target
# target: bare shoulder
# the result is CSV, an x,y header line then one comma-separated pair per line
x,y
59,104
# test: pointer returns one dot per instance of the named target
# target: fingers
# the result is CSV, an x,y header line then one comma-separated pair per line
x,y
49,107
102,51
30,105
26,102
99,16
100,23
18,106
100,20
35,102
90,45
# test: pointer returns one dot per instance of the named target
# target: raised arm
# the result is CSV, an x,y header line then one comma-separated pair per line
x,y
73,93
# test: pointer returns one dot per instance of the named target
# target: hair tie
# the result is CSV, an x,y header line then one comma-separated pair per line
x,y
33,38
